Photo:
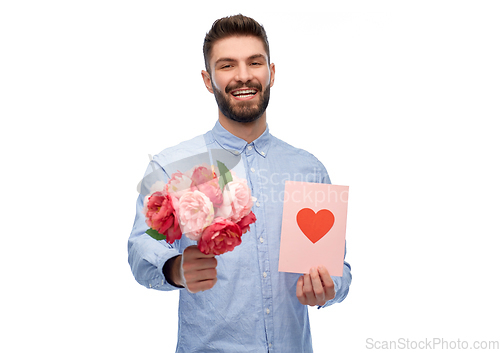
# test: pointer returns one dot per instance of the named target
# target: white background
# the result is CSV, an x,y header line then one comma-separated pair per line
x,y
398,99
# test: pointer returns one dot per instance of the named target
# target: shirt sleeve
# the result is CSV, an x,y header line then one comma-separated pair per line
x,y
341,283
146,256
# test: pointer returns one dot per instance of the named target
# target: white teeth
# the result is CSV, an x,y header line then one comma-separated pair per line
x,y
246,91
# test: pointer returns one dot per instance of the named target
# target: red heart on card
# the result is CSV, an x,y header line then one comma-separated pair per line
x,y
315,225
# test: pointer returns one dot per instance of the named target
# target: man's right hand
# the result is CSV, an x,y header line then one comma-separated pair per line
x,y
199,270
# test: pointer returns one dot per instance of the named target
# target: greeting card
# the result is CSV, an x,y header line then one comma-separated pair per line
x,y
313,227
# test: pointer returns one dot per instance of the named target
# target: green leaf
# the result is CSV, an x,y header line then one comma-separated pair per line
x,y
155,235
225,175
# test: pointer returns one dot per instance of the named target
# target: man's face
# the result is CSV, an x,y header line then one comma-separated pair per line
x,y
240,77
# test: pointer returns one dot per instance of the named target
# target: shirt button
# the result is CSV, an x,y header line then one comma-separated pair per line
x,y
257,204
264,274
249,148
261,239
268,311
253,170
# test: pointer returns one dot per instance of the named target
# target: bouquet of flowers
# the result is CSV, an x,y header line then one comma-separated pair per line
x,y
213,210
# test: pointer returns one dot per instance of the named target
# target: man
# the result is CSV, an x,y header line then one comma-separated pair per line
x,y
238,302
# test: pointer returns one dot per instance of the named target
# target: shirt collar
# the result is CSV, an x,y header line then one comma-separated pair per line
x,y
237,145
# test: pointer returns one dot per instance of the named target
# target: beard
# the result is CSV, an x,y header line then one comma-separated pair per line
x,y
242,111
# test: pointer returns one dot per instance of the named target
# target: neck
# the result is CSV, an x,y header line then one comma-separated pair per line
x,y
246,131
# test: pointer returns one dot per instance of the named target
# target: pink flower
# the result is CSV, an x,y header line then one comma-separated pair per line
x,y
201,174
204,180
245,222
212,190
237,201
178,184
220,237
196,212
161,216
157,186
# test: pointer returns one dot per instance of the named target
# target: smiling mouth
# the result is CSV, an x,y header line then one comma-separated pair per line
x,y
244,93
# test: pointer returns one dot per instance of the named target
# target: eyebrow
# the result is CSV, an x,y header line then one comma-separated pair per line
x,y
257,56
224,59
252,57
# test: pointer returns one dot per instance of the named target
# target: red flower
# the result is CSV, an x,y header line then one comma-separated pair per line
x,y
245,222
161,215
220,237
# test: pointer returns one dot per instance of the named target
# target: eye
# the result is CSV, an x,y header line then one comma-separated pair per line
x,y
256,64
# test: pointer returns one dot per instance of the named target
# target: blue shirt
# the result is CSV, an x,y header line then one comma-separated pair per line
x,y
252,307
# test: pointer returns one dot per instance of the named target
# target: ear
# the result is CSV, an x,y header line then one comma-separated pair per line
x,y
206,79
273,72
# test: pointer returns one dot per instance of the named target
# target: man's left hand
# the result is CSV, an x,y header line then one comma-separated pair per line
x,y
315,288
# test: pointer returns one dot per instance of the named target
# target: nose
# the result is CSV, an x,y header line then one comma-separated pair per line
x,y
243,74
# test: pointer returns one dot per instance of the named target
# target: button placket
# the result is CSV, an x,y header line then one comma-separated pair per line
x,y
252,157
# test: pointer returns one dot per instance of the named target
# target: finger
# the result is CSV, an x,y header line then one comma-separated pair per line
x,y
308,290
199,276
201,286
317,286
201,255
299,291
198,264
193,252
328,284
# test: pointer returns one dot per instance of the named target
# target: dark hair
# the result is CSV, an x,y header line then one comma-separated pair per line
x,y
233,26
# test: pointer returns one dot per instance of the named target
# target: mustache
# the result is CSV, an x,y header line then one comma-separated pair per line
x,y
257,86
